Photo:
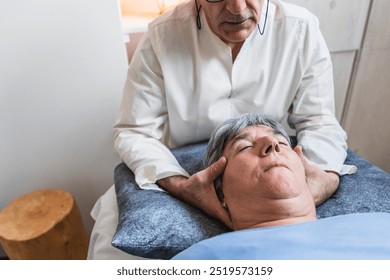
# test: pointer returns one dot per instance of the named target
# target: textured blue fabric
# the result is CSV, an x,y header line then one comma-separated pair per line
x,y
367,190
346,237
153,224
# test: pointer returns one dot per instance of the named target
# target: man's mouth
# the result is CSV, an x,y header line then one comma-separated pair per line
x,y
236,22
237,19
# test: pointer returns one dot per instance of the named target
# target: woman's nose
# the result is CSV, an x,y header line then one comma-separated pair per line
x,y
270,145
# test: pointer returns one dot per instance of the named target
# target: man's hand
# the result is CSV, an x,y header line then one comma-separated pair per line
x,y
322,183
198,190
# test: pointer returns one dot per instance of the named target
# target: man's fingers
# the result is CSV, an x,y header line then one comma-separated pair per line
x,y
308,165
216,169
298,150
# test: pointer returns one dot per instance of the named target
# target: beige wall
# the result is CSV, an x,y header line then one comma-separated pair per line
x,y
367,114
358,35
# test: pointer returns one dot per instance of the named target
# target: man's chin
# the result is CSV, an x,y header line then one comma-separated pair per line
x,y
236,34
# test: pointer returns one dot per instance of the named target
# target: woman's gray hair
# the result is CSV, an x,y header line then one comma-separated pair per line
x,y
227,131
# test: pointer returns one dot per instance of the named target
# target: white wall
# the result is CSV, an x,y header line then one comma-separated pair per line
x,y
62,69
368,115
342,23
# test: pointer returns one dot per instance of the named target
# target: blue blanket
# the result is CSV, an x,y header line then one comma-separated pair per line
x,y
354,236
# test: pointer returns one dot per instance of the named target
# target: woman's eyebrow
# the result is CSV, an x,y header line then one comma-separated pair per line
x,y
241,136
248,136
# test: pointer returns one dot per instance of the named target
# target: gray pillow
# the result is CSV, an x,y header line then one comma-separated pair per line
x,y
153,224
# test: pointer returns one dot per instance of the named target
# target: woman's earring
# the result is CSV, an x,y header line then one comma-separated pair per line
x,y
224,205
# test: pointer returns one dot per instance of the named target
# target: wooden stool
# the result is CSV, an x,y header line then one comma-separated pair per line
x,y
43,225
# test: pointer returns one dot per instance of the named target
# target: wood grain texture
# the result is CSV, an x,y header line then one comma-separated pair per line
x,y
43,225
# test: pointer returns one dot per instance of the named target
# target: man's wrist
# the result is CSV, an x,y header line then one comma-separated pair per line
x,y
172,184
329,187
334,177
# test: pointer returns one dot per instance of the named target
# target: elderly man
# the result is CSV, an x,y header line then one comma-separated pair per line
x,y
210,60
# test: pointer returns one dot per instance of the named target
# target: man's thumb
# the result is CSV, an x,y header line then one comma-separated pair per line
x,y
217,168
298,150
306,163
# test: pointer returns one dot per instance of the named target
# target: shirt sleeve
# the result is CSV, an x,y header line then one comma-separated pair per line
x,y
142,119
322,138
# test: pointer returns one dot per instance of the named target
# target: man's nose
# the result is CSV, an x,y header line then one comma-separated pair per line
x,y
236,6
270,145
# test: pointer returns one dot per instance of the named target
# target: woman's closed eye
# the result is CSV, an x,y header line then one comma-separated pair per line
x,y
282,141
243,148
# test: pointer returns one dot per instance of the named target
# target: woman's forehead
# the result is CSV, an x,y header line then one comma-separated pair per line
x,y
254,129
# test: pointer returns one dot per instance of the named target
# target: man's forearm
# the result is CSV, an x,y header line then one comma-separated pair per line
x,y
326,188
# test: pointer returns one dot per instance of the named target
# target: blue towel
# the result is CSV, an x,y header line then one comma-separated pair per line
x,y
346,237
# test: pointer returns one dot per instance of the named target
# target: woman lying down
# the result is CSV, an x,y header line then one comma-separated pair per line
x,y
264,189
